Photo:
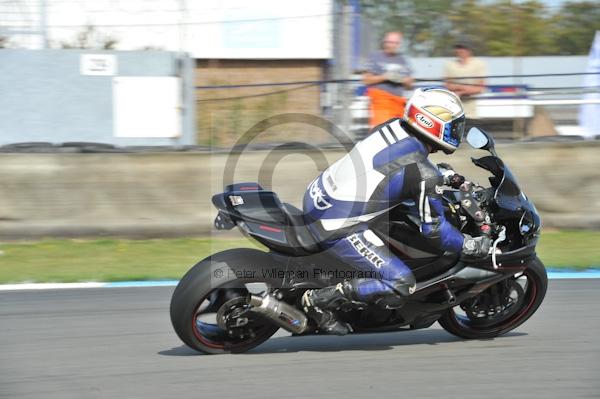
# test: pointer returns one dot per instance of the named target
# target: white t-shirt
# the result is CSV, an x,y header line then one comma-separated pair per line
x,y
473,67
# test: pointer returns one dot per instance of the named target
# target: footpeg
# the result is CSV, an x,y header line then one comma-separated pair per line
x,y
450,298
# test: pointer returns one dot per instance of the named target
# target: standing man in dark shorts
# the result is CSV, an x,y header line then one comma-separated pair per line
x,y
387,75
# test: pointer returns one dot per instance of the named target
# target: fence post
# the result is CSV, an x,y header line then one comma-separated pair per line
x,y
345,67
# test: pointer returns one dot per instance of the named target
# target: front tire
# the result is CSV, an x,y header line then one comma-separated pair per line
x,y
209,286
470,327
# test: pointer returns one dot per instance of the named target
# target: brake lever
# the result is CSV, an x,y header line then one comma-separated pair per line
x,y
501,237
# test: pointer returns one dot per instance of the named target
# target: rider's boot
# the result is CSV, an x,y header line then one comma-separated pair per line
x,y
320,304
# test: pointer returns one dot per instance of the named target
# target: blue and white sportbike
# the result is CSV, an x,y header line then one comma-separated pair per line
x,y
234,300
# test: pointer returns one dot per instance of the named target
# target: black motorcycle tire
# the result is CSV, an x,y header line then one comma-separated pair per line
x,y
197,284
536,273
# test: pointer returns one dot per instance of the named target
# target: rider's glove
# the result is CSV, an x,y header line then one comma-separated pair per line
x,y
478,247
456,180
446,171
451,178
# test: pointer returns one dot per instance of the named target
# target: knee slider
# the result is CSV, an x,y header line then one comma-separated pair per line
x,y
351,288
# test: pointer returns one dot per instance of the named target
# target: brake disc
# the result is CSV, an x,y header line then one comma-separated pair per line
x,y
494,307
232,317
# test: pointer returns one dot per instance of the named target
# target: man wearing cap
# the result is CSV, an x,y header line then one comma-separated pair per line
x,y
466,66
387,74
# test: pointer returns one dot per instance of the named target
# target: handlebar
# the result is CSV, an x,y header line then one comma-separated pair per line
x,y
472,199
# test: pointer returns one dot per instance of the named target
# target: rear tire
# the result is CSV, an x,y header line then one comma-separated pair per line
x,y
534,295
197,286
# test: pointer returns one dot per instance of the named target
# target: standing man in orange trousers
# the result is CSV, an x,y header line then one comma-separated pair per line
x,y
387,75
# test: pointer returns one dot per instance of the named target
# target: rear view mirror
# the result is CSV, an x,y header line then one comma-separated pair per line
x,y
477,138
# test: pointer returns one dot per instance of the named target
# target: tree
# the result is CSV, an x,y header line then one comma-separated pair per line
x,y
419,21
532,30
89,37
574,27
503,28
497,27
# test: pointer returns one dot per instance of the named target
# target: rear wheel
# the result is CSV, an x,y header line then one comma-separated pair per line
x,y
211,314
500,308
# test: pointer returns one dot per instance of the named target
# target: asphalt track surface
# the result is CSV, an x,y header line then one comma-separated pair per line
x,y
118,343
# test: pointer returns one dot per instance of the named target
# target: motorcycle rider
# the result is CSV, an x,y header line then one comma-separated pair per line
x,y
388,167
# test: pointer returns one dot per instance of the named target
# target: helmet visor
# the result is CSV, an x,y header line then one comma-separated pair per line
x,y
454,131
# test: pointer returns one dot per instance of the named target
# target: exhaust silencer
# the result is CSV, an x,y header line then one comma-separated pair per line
x,y
281,313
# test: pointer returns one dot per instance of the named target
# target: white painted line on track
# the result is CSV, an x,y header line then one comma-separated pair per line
x,y
49,286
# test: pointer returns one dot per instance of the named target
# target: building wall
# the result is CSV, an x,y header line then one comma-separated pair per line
x,y
265,29
222,122
46,98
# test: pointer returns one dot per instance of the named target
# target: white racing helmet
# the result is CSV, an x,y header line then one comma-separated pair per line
x,y
438,117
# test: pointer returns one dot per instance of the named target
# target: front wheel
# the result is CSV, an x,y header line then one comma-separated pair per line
x,y
500,308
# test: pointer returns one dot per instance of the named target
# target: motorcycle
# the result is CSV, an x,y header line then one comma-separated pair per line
x,y
235,300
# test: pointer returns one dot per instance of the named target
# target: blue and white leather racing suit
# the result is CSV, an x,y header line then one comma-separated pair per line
x,y
386,168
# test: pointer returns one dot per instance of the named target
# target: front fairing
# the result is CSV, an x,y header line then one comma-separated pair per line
x,y
512,204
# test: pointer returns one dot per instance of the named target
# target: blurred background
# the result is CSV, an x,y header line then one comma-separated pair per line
x,y
117,118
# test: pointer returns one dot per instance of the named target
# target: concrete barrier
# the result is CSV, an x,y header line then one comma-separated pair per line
x,y
168,194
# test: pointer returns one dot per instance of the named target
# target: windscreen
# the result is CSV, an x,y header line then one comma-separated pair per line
x,y
508,194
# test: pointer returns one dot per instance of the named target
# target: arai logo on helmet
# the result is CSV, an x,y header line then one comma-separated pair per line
x,y
424,121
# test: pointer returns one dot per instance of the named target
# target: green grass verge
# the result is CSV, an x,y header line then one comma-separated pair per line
x,y
571,249
53,260
61,260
